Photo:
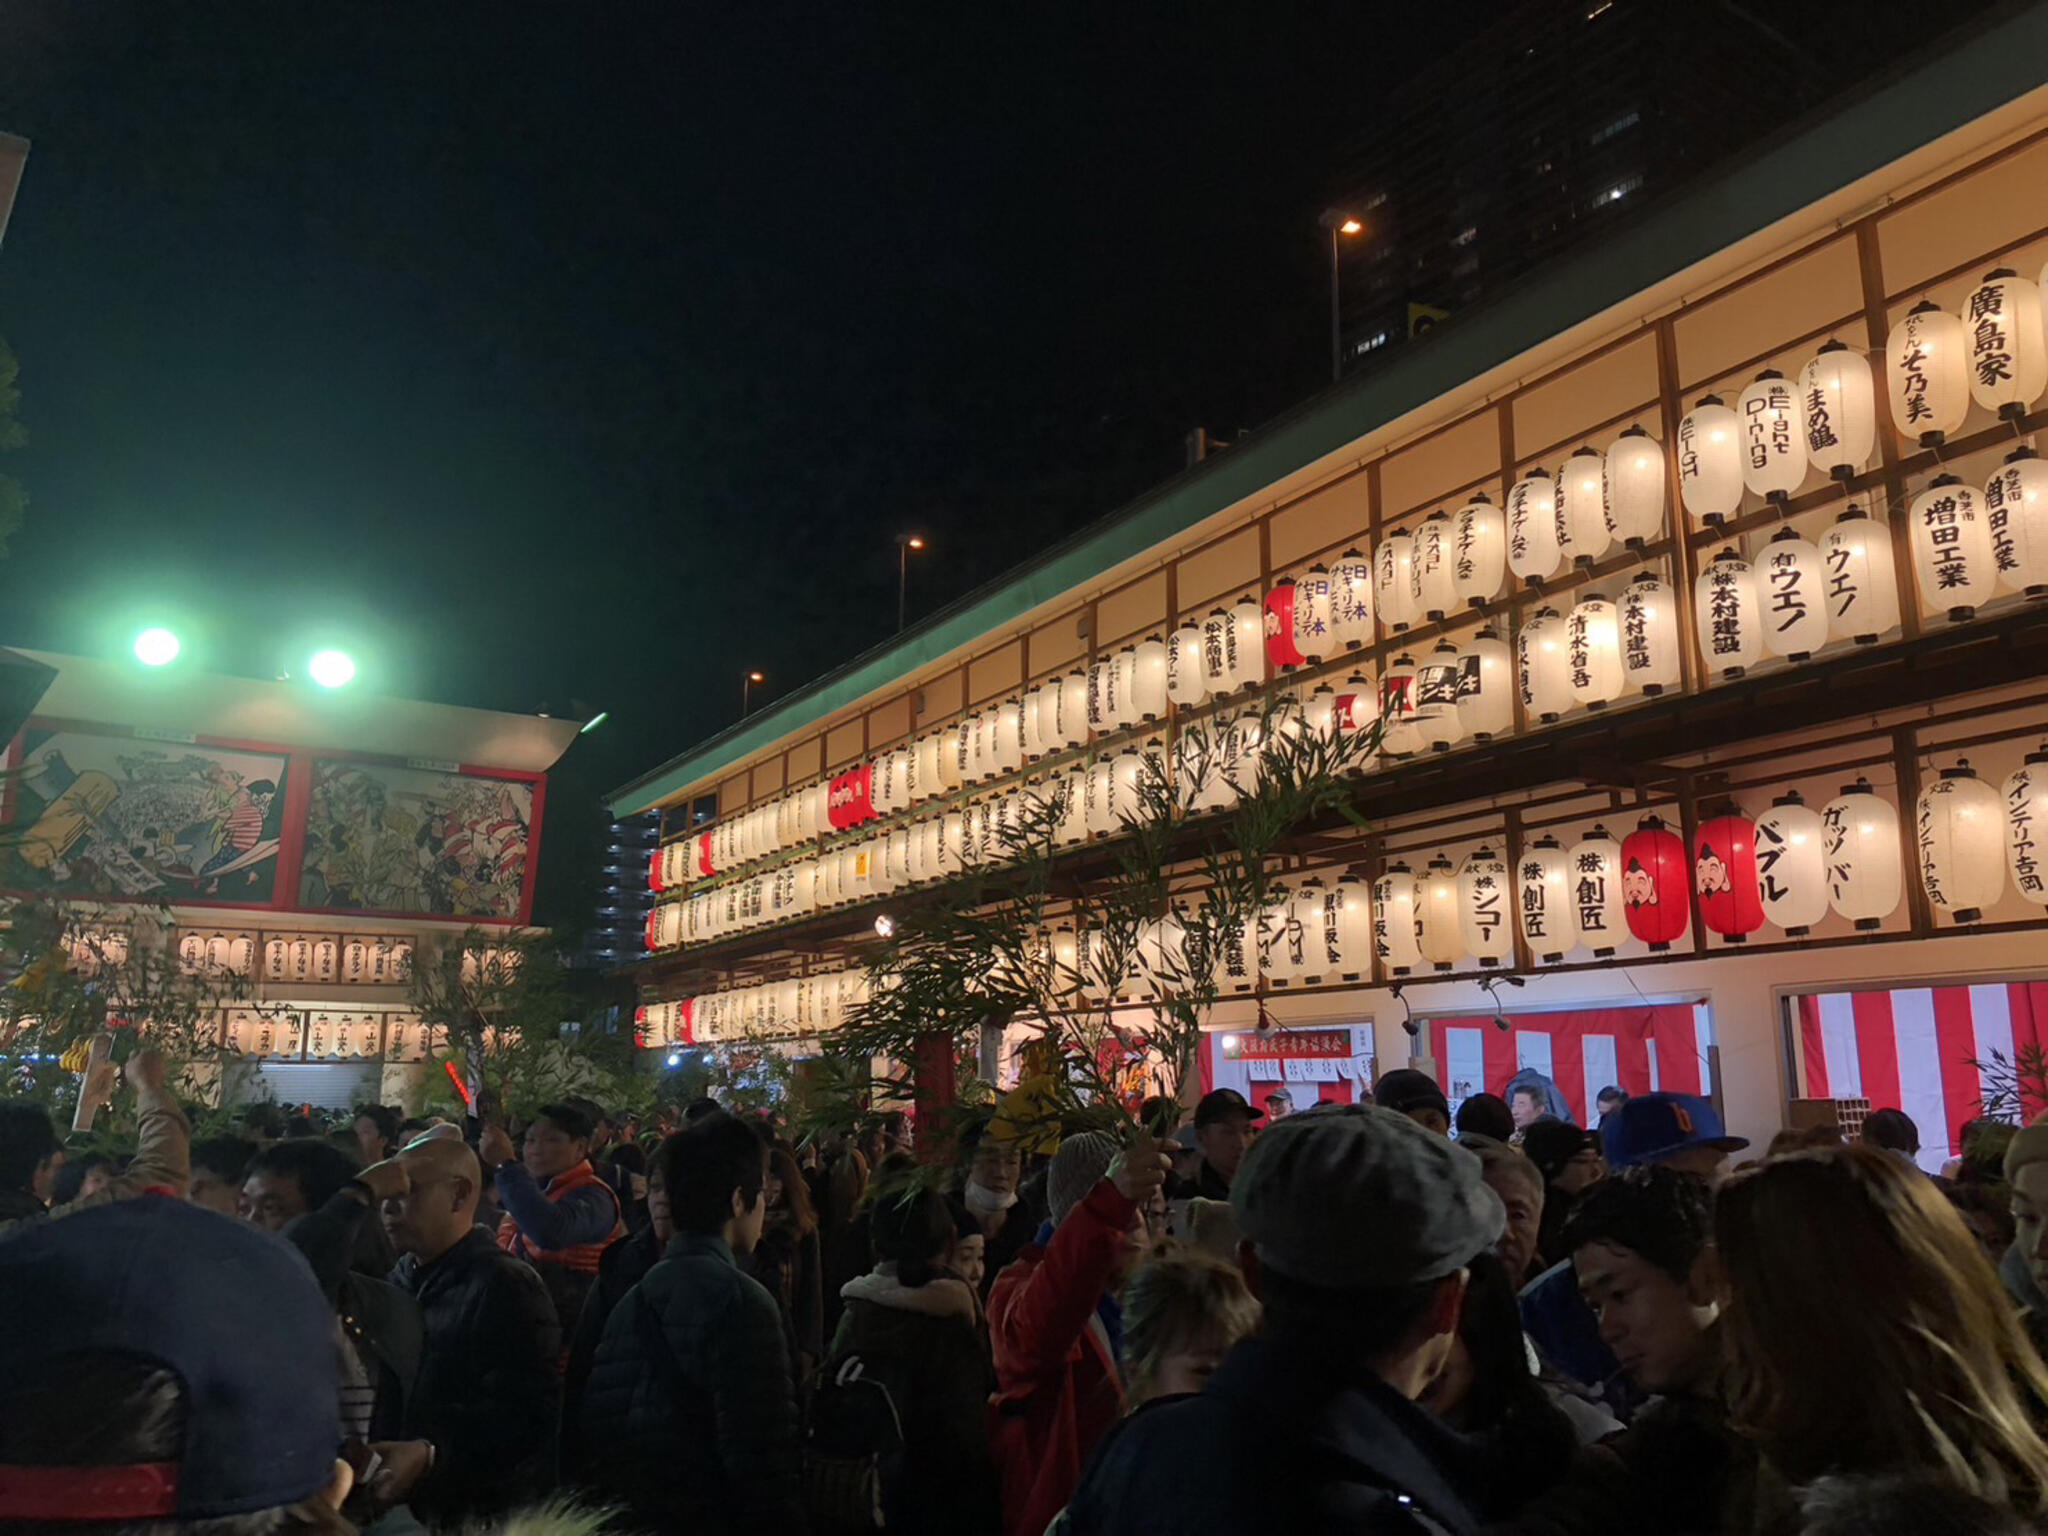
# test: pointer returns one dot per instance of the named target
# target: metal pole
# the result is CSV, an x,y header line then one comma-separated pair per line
x,y
902,579
1336,342
746,694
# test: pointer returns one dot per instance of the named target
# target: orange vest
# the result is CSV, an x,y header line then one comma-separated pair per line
x,y
581,1259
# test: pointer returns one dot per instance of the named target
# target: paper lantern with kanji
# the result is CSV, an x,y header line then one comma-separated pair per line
x,y
1486,687
1436,698
1148,680
1839,402
1927,374
1582,512
1358,703
1486,907
2008,354
1543,881
1436,919
1866,872
1034,726
1479,552
1432,585
1073,800
1312,924
1593,651
1791,865
1248,643
1725,877
1347,936
1791,586
1283,941
1773,456
1953,560
1007,755
1281,655
1544,666
1399,736
1959,829
1396,898
1312,637
1393,565
1535,549
1351,594
2016,511
1319,712
1710,461
1095,792
1073,710
1862,583
1727,615
1218,652
2025,801
1648,624
1654,883
1187,681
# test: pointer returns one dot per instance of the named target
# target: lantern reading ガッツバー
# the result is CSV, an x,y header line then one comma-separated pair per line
x,y
1485,906
1791,868
1599,907
2025,800
1727,615
1544,880
1479,552
1635,488
1790,583
1952,555
1862,583
1534,548
1927,374
1654,883
1710,462
1582,506
1725,877
2016,511
2008,355
1649,635
1958,827
1840,405
1545,666
1866,875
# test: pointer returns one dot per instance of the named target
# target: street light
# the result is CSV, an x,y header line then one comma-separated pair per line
x,y
905,543
1339,224
747,691
157,647
332,669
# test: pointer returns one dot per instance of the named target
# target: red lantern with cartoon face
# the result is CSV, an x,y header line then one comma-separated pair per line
x,y
1724,875
1653,883
1281,650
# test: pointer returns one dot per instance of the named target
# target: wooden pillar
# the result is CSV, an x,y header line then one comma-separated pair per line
x,y
934,1090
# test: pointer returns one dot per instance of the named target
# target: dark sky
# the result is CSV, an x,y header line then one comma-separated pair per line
x,y
599,352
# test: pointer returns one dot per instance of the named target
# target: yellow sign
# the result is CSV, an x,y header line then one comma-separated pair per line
x,y
1425,317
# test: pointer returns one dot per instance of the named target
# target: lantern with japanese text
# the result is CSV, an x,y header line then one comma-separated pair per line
x,y
1095,792
1582,509
1312,637
1102,694
1393,565
1599,906
1281,655
1791,865
1543,876
1034,723
1283,937
1009,736
1347,940
1839,402
1486,687
1396,898
1217,652
1862,583
1319,713
1710,461
1860,842
1544,663
1535,548
1727,615
1648,624
1436,698
1128,716
1436,918
1485,907
1654,883
1927,374
2008,354
1148,680
1248,628
1128,776
1773,460
1953,560
2016,511
1479,552
1072,829
1790,582
1358,703
1725,876
1187,681
1071,718
1593,651
2025,800
1351,593
1433,587
1399,736
1635,488
1958,827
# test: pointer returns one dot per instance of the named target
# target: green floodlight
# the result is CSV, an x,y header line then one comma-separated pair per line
x,y
157,647
595,721
332,669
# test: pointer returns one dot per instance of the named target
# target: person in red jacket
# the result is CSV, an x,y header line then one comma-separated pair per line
x,y
1055,1325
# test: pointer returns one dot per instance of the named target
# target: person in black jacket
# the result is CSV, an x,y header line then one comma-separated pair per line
x,y
690,1411
787,1262
484,1410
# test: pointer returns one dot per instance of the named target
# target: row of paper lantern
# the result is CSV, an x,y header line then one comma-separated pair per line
x,y
799,1007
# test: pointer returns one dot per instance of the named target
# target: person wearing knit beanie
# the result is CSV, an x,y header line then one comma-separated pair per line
x,y
1076,1168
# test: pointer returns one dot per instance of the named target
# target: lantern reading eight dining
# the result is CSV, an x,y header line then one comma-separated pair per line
x,y
1958,828
1862,583
1654,883
1927,374
1635,488
1773,460
1710,461
1791,869
1953,560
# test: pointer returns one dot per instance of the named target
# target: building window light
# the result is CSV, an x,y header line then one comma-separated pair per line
x,y
1598,8
1621,124
1466,235
1371,342
1618,191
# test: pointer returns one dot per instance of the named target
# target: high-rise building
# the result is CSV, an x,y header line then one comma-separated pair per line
x,y
625,896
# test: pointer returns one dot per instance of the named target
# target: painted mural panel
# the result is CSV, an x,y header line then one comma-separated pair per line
x,y
116,818
388,839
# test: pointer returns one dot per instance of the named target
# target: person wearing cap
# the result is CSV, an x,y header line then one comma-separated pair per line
x,y
1415,1094
1485,1114
1223,1129
1570,1163
1678,1130
1279,1105
560,1215
1056,1326
1358,1225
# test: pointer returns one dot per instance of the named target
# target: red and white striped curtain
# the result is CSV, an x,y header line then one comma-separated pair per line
x,y
1644,1050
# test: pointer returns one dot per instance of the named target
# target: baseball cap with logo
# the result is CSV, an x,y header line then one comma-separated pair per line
x,y
1653,1126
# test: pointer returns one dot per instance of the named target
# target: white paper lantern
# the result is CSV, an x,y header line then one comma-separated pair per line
x,y
1635,488
1034,730
1479,552
1593,651
1959,828
1582,509
1401,736
1128,715
1866,875
1649,636
1073,800
2016,511
1839,402
1319,713
1312,614
1072,715
1148,680
2025,803
1862,580
1127,779
1535,549
1436,919
1393,564
1187,679
1396,900
1543,879
1727,615
1486,687
1009,736
2008,354
1358,702
1953,561
1102,695
1347,939
1599,911
1486,906
1351,594
1283,938
1773,459
1544,664
1710,463
1927,374
1791,583
1437,683
1248,636
1791,865
1218,652
1096,795
1433,589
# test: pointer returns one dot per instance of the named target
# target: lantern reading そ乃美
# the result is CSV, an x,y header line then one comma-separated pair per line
x,y
1927,374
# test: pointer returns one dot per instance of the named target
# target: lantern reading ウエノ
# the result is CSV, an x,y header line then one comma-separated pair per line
x,y
1479,552
1593,651
1396,898
2008,355
2016,511
1582,506
1791,869
1725,877
1927,374
1958,830
2025,803
1710,461
1545,666
1726,614
1866,876
1485,906
1654,883
1544,878
1840,405
1635,488
1535,549
1599,908
1649,635
1789,584
1952,555
1862,583
1432,585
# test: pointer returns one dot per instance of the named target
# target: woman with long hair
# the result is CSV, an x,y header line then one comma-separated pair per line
x,y
787,1259
1867,1333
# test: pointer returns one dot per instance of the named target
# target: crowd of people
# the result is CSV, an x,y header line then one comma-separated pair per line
x,y
1385,1317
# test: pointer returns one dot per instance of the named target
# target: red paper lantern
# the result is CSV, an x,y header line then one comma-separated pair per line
x,y
1280,648
654,870
640,1025
1654,883
1725,876
686,1013
704,865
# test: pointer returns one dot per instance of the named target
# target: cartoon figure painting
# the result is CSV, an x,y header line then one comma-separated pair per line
x,y
112,817
383,839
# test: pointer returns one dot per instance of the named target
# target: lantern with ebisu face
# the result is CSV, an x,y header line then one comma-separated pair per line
x,y
1654,883
1725,876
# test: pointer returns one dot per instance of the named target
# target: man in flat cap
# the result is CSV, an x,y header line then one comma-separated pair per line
x,y
1358,1224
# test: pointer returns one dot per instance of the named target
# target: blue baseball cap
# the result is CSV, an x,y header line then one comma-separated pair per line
x,y
1652,1126
231,1310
